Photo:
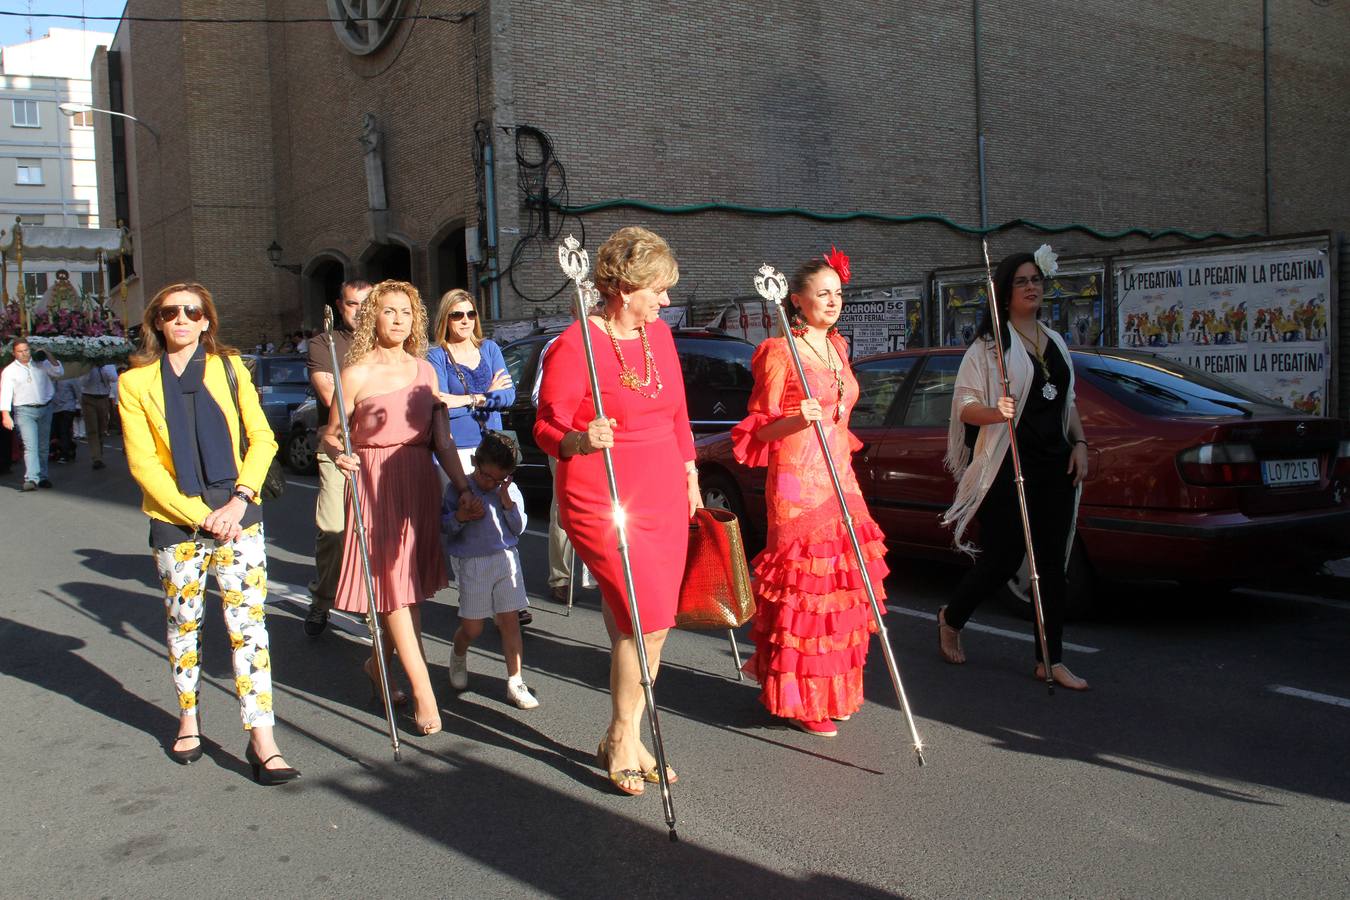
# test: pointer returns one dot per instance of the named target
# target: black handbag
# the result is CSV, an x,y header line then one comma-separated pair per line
x,y
274,482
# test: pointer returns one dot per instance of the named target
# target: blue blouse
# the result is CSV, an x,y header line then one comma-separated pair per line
x,y
466,422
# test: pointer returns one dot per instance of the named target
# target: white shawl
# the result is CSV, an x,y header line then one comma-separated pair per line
x,y
978,381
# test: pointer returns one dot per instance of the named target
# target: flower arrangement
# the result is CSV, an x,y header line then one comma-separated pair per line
x,y
72,334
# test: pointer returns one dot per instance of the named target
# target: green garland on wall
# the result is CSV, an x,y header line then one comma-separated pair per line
x,y
891,219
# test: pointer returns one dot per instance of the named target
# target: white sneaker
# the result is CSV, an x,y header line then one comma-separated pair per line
x,y
520,695
459,671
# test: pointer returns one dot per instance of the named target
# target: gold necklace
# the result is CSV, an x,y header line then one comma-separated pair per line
x,y
627,375
837,373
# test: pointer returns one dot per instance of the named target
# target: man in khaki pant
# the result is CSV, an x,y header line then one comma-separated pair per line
x,y
330,514
96,389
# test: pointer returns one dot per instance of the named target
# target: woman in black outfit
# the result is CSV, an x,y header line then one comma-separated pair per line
x,y
1053,453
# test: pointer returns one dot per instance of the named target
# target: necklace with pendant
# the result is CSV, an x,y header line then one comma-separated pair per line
x,y
838,373
1048,390
627,375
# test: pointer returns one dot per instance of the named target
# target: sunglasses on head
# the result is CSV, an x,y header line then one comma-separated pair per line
x,y
461,314
167,314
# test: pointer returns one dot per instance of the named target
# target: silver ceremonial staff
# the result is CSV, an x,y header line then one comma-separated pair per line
x,y
372,617
1017,472
576,262
772,286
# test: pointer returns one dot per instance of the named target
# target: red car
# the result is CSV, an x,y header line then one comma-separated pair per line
x,y
1192,478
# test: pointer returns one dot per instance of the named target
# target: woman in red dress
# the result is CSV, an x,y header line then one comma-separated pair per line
x,y
647,430
812,619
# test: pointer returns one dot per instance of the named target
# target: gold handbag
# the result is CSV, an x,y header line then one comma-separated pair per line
x,y
715,593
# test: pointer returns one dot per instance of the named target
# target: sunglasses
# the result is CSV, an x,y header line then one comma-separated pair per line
x,y
167,314
461,314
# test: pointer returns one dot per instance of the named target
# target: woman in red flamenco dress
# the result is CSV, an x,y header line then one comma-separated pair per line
x,y
813,621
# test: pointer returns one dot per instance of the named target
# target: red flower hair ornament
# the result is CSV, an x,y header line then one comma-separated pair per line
x,y
839,262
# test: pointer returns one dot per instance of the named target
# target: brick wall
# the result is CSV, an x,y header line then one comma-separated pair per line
x,y
1144,114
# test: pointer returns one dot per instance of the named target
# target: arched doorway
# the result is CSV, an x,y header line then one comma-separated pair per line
x,y
382,262
323,279
449,262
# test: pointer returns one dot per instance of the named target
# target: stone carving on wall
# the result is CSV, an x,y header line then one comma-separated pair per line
x,y
372,144
363,26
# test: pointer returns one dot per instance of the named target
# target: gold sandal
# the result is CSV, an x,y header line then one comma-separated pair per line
x,y
618,776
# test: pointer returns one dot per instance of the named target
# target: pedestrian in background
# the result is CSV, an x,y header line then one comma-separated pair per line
x,y
482,528
183,438
65,407
98,387
26,391
330,516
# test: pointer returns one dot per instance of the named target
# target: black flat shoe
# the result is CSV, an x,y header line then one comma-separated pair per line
x,y
189,756
266,776
316,620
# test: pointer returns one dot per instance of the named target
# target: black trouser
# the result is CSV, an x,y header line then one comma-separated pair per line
x,y
1050,495
63,434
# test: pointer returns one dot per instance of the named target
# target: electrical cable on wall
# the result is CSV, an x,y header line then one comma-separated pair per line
x,y
542,183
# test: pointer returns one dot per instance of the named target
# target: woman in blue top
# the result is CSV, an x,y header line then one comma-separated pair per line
x,y
474,382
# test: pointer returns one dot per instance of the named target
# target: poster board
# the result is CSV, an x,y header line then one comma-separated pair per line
x,y
1260,315
1074,303
882,319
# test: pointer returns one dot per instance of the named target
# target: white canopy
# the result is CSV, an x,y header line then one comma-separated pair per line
x,y
52,242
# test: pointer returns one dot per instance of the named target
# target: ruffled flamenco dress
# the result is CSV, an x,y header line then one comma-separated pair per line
x,y
812,620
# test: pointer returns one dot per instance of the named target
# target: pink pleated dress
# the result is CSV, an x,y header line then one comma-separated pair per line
x,y
400,500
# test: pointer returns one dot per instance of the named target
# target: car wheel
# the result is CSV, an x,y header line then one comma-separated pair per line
x,y
720,492
301,453
1082,589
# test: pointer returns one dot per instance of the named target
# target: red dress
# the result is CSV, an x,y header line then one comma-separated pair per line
x,y
652,443
400,500
812,619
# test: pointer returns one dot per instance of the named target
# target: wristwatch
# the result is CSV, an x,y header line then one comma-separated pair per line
x,y
243,495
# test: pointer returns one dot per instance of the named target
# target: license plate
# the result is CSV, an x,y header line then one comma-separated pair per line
x,y
1281,472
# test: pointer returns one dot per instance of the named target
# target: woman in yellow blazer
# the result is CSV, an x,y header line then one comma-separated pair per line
x,y
181,434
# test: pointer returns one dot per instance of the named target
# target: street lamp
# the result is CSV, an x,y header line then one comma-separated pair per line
x,y
274,256
74,109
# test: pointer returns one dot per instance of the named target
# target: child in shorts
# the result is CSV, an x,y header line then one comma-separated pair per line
x,y
482,527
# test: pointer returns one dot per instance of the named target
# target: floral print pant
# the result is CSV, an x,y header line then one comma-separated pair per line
x,y
240,567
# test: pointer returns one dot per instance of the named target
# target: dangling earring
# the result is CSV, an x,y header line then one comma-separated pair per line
x,y
625,304
797,324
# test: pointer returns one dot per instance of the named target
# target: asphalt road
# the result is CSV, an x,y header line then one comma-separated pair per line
x,y
1207,761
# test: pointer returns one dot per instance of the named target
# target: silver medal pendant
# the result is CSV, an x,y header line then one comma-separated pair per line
x,y
1049,391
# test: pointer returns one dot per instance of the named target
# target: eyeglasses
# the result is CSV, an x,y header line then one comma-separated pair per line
x,y
167,314
461,314
1033,281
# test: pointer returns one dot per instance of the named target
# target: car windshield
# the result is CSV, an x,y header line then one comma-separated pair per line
x,y
716,365
1164,387
288,371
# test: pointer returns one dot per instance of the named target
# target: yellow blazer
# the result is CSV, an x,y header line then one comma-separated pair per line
x,y
145,435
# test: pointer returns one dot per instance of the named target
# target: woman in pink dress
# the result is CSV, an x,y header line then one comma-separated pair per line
x,y
647,430
812,619
395,418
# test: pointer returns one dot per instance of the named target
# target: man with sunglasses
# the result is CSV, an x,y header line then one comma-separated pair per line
x,y
330,516
26,392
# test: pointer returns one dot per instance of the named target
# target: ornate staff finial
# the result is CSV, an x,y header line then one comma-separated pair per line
x,y
771,284
573,259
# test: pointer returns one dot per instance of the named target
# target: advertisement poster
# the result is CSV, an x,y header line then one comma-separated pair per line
x,y
882,320
1073,305
1259,317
